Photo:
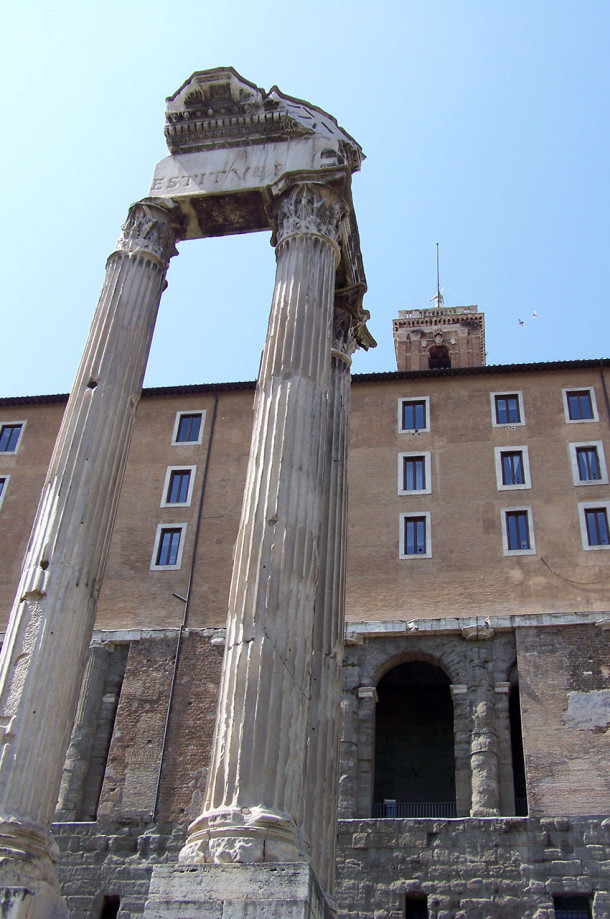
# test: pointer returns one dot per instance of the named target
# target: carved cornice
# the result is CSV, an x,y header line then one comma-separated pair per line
x,y
307,209
219,108
151,230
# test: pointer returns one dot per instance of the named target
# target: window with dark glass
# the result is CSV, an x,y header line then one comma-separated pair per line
x,y
169,545
414,473
512,468
580,405
414,535
188,428
2,484
413,415
9,437
507,409
572,907
589,468
178,487
517,530
596,519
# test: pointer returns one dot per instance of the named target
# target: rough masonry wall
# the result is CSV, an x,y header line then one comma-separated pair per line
x,y
565,703
471,869
191,727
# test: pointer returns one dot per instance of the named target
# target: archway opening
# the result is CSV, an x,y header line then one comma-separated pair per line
x,y
414,745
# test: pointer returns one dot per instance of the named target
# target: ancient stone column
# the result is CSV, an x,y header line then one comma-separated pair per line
x,y
461,743
83,735
321,772
253,809
483,743
505,754
46,645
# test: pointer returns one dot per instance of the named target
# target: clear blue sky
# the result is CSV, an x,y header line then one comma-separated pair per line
x,y
484,122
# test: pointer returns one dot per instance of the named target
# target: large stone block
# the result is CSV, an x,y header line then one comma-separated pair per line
x,y
234,891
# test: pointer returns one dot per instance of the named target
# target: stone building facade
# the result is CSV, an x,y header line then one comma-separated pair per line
x,y
474,776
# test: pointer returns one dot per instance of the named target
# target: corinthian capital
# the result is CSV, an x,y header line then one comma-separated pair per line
x,y
309,209
151,229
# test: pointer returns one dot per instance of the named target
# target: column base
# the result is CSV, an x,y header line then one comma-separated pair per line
x,y
29,888
287,891
246,836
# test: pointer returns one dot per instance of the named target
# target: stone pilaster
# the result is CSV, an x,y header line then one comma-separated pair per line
x,y
367,706
484,744
83,735
461,743
321,774
45,650
348,759
254,803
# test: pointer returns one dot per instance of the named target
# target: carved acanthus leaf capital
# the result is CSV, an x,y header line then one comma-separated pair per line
x,y
350,331
308,209
151,229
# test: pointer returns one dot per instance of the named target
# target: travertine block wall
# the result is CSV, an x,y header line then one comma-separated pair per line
x,y
565,702
471,869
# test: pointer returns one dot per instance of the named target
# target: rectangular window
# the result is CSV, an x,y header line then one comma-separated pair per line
x,y
517,532
169,544
188,428
588,463
3,484
572,907
512,468
414,473
413,415
579,405
507,409
178,485
594,529
597,526
415,536
9,437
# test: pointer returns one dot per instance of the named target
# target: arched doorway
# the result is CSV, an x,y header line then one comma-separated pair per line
x,y
414,746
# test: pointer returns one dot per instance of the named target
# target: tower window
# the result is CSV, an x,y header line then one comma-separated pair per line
x,y
169,544
517,532
188,428
588,463
414,473
512,468
178,487
413,415
438,357
597,526
579,405
507,410
9,437
415,536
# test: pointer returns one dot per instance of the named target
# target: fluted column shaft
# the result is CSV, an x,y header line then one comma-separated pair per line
x,y
324,727
484,744
45,651
83,733
253,809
